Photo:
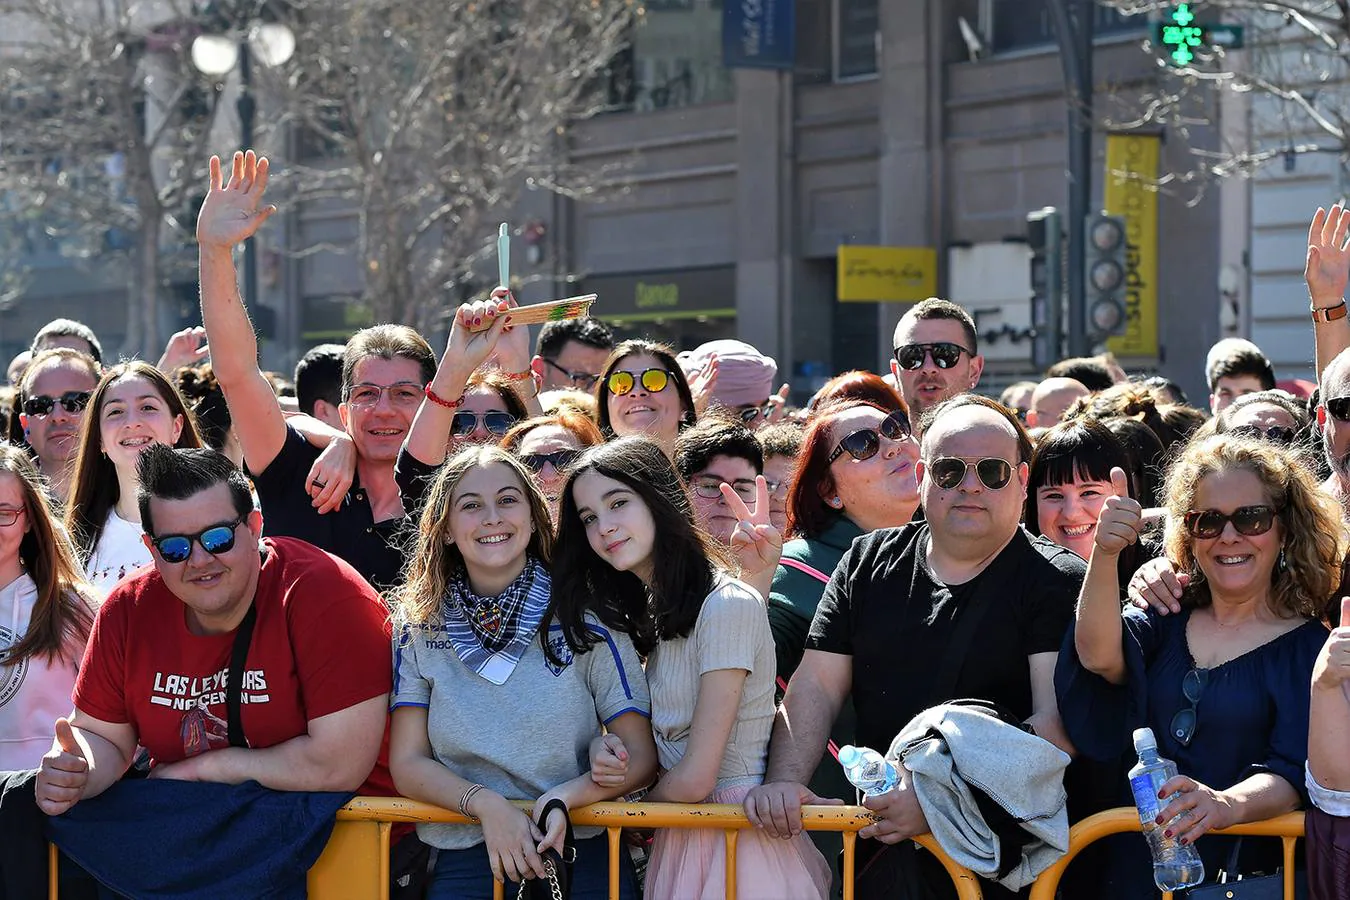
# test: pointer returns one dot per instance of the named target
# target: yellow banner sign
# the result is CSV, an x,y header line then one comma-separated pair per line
x,y
892,274
1131,191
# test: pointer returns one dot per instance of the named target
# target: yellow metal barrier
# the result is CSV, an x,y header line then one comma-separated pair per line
x,y
355,862
1288,827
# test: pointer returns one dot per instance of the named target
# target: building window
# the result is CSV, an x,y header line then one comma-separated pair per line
x,y
855,44
676,58
1026,24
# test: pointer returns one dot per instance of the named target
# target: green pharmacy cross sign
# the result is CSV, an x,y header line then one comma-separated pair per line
x,y
1181,34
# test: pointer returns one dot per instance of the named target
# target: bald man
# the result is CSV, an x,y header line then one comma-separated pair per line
x,y
1051,399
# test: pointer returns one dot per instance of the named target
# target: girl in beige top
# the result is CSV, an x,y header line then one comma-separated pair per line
x,y
628,552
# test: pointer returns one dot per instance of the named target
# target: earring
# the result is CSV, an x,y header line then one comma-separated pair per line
x,y
1282,563
836,502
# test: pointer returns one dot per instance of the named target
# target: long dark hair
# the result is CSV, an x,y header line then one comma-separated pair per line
x,y
94,487
637,347
684,559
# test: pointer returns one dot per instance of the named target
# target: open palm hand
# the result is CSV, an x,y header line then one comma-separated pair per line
x,y
233,210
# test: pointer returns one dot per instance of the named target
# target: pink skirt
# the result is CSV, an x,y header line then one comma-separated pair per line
x,y
690,863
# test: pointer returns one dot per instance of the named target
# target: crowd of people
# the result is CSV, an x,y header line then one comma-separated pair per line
x,y
592,570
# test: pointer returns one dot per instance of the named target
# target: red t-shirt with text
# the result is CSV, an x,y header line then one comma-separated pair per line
x,y
320,644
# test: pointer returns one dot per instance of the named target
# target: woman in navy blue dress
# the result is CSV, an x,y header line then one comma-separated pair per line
x,y
1224,683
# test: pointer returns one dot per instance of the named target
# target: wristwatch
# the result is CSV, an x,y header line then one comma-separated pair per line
x,y
1329,313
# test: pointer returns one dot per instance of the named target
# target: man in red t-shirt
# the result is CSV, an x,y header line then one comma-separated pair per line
x,y
316,678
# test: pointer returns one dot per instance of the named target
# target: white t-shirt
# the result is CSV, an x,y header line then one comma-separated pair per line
x,y
119,552
32,693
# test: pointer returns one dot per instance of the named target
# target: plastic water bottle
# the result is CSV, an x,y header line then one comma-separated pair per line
x,y
867,770
1175,865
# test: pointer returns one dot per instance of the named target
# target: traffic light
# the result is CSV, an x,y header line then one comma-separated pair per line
x,y
1045,238
1104,271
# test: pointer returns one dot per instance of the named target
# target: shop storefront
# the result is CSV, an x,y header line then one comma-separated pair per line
x,y
682,308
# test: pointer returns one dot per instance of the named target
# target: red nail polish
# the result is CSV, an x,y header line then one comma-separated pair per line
x,y
1167,833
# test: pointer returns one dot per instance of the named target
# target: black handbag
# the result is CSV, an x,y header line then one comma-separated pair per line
x,y
1232,885
558,884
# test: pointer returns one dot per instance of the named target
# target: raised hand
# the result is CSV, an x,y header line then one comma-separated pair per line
x,y
233,211
186,348
512,353
1332,668
1119,522
468,349
778,404
64,773
1327,267
756,543
702,383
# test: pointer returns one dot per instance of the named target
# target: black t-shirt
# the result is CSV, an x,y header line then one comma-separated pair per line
x,y
887,610
349,532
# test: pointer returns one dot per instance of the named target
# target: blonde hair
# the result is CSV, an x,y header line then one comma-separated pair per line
x,y
433,561
1314,547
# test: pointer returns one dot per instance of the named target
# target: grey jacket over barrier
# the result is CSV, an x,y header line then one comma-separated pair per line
x,y
957,752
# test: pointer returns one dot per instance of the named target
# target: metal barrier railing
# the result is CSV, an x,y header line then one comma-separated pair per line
x,y
1288,827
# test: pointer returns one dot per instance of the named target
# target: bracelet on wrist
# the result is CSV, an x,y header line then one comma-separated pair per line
x,y
516,376
1328,313
441,401
467,796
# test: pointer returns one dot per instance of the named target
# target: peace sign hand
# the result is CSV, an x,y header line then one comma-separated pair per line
x,y
232,211
756,543
1120,519
1328,264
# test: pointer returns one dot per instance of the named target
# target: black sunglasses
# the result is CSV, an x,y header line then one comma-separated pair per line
x,y
583,380
865,442
948,472
945,355
218,539
1339,408
1276,434
41,405
463,424
1248,520
1184,722
560,459
749,414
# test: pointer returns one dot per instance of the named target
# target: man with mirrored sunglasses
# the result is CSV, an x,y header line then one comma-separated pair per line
x,y
53,394
966,604
935,355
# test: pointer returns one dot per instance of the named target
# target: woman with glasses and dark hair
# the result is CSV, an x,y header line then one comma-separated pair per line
x,y
642,391
548,445
1224,682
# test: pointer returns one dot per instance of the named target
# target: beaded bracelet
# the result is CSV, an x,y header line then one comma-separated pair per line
x,y
441,401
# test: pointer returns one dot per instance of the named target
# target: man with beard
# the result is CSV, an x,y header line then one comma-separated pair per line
x,y
52,397
936,355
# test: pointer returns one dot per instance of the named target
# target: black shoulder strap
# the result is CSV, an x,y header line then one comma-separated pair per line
x,y
234,678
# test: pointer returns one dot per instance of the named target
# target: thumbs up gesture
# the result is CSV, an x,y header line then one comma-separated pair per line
x,y
64,773
1332,669
1120,519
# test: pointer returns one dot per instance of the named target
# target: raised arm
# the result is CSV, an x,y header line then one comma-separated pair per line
x,y
1329,738
232,212
1326,271
1098,627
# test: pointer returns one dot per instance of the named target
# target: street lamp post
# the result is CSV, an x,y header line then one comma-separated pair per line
x,y
218,55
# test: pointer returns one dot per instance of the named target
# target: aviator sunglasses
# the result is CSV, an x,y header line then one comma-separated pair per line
x,y
865,442
948,472
653,381
1184,722
218,539
1247,520
41,405
463,424
945,355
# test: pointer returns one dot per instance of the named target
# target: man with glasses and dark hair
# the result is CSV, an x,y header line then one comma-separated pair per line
x,y
52,397
966,604
714,452
936,355
571,354
220,660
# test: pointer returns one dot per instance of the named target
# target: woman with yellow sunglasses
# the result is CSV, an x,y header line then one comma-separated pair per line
x,y
642,391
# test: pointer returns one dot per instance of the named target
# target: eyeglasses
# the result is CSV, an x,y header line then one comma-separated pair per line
x,y
218,539
583,380
559,459
945,355
402,394
652,380
750,413
463,424
709,487
865,442
9,516
1339,408
1248,520
948,472
1276,434
41,405
775,486
1184,722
